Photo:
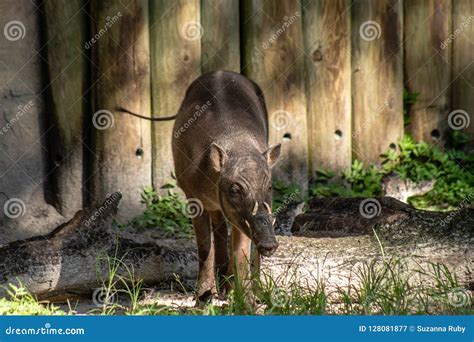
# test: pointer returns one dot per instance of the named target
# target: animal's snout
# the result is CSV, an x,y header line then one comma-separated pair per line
x,y
264,236
267,248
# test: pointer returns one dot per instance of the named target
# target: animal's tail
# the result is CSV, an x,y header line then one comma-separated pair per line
x,y
164,118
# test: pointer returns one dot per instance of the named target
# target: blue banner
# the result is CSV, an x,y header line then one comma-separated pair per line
x,y
237,328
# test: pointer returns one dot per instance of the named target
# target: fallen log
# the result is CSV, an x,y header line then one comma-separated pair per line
x,y
394,222
73,259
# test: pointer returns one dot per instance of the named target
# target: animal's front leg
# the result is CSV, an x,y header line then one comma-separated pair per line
x,y
206,282
240,260
221,250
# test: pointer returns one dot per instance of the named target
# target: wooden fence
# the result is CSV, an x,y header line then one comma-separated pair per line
x,y
332,71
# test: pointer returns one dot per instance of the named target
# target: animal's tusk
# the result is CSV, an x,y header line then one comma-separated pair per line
x,y
274,220
255,208
247,223
268,207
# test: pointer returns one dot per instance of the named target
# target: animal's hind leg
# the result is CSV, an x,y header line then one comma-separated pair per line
x,y
221,248
206,281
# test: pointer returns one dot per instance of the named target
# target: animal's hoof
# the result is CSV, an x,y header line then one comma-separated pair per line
x,y
204,299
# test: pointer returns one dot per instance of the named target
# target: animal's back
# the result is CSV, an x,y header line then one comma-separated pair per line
x,y
221,107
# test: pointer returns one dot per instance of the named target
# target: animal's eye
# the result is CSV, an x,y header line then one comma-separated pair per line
x,y
235,190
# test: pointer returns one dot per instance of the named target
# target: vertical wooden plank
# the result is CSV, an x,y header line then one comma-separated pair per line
x,y
327,37
66,34
122,143
377,81
220,41
427,66
176,34
462,38
274,59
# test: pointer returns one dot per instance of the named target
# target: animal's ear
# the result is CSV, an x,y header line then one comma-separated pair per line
x,y
272,154
218,157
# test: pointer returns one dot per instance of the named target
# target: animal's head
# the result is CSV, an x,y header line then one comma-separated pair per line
x,y
245,193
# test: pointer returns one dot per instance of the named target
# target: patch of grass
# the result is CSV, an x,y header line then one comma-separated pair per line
x,y
164,212
452,169
390,288
20,302
121,281
385,287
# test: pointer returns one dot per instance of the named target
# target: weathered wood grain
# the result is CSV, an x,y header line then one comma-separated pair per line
x,y
273,57
68,72
462,90
328,83
427,61
220,41
377,80
175,36
121,154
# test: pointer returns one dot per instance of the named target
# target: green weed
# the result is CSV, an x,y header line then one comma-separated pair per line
x,y
452,170
164,212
